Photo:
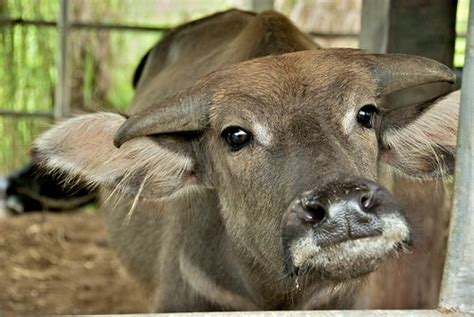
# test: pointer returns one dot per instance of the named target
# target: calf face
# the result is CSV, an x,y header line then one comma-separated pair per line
x,y
291,145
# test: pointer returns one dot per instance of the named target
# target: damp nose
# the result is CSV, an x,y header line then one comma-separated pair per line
x,y
357,205
342,210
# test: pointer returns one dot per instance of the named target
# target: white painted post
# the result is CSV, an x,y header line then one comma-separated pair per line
x,y
457,290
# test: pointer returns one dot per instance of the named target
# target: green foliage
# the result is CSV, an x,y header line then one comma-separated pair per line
x,y
102,62
121,91
17,135
27,56
461,28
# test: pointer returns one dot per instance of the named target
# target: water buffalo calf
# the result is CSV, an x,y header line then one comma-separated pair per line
x,y
244,176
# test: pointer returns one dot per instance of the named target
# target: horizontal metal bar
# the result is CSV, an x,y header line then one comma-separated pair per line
x,y
84,25
139,28
42,114
318,34
7,21
320,313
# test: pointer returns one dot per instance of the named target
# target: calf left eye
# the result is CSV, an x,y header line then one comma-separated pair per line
x,y
236,138
366,116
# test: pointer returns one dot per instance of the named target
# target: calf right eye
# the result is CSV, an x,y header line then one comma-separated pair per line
x,y
366,116
236,138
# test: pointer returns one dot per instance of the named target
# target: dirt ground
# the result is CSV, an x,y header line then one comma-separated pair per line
x,y
62,264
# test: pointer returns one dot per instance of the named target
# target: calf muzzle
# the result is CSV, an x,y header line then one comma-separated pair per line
x,y
339,214
341,211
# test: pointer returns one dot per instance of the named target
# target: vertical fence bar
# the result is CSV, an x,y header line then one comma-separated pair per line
x,y
375,25
261,5
62,102
457,291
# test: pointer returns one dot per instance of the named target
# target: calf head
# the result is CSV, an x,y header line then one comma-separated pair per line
x,y
291,144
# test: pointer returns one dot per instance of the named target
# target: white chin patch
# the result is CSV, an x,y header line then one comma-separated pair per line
x,y
351,258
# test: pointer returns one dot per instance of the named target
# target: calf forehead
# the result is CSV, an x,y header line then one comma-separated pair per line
x,y
291,90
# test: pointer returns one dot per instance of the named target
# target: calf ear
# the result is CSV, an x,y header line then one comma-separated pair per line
x,y
420,140
83,147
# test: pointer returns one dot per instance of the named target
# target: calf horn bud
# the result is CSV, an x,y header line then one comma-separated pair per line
x,y
394,72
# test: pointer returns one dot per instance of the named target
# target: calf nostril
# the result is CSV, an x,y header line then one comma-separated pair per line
x,y
313,211
366,202
318,213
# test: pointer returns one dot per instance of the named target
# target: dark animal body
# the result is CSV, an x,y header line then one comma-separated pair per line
x,y
251,183
30,190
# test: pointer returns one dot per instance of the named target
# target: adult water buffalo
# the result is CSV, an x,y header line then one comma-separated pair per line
x,y
244,183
